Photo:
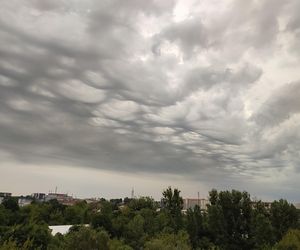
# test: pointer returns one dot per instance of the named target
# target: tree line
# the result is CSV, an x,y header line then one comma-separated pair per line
x,y
232,221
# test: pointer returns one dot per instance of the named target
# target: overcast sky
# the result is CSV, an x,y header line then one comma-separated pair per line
x,y
97,97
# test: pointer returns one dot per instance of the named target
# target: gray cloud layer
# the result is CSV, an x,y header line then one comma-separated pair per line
x,y
139,86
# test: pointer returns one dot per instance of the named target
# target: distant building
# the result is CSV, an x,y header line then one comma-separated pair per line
x,y
40,197
5,194
64,199
192,202
24,201
58,197
70,202
91,200
266,204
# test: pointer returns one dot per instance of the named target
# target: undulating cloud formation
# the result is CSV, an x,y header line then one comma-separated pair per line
x,y
206,91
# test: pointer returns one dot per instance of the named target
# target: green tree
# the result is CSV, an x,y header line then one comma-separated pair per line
x,y
290,241
173,204
134,232
57,218
143,202
12,245
194,225
151,225
86,238
216,224
261,227
40,213
164,222
263,232
118,225
11,204
57,242
169,242
73,215
38,235
4,214
103,221
116,244
283,217
9,245
230,219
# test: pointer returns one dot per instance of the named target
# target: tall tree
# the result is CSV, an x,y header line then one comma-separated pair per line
x,y
230,219
194,225
283,217
262,231
173,203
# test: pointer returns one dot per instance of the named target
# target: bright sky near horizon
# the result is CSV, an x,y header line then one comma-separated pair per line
x,y
97,97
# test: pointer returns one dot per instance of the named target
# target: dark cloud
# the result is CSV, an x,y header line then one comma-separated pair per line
x,y
189,34
208,77
127,87
281,106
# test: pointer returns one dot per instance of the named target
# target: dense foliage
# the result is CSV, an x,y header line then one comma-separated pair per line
x,y
231,222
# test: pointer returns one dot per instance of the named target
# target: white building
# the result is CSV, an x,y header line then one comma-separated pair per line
x,y
192,202
62,229
23,201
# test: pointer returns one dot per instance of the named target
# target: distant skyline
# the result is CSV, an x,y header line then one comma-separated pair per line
x,y
97,97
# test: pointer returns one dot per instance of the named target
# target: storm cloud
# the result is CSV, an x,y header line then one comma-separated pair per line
x,y
208,91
